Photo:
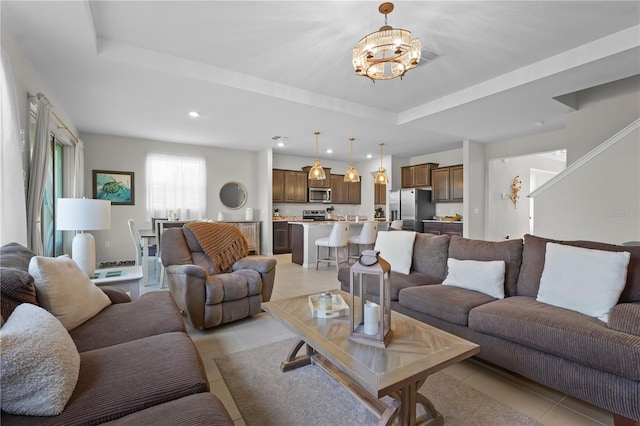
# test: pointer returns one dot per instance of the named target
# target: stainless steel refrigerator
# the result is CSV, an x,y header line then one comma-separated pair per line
x,y
412,206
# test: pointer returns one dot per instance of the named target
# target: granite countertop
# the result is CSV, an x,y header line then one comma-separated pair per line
x,y
442,221
330,222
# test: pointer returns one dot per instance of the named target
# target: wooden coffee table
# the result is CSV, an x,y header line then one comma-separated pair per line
x,y
416,351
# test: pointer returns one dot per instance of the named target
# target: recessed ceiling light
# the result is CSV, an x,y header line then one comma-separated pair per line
x,y
329,151
280,144
369,155
194,114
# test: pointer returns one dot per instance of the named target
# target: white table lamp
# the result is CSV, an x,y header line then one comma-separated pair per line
x,y
82,214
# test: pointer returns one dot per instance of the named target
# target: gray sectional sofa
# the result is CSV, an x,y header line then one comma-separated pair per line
x,y
582,356
137,364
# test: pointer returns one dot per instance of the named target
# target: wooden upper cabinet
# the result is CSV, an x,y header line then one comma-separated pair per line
x,y
295,187
338,194
379,193
447,184
345,192
418,175
277,183
324,183
457,184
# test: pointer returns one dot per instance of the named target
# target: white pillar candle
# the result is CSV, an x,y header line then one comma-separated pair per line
x,y
371,314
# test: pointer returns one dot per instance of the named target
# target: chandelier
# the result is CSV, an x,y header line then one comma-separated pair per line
x,y
387,53
352,174
317,172
381,177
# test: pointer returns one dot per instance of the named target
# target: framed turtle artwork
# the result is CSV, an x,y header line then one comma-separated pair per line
x,y
117,187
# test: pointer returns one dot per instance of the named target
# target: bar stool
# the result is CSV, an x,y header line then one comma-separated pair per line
x,y
337,239
367,237
396,225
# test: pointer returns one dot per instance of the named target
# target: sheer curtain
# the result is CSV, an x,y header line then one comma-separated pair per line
x,y
37,175
13,214
176,184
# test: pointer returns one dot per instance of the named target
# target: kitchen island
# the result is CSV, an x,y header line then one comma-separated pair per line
x,y
305,233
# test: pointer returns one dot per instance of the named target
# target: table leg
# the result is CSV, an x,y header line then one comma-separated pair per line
x,y
406,410
293,361
145,262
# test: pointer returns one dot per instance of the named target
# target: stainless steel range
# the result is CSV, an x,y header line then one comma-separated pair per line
x,y
315,215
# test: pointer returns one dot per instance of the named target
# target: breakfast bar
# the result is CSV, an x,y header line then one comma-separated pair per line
x,y
305,233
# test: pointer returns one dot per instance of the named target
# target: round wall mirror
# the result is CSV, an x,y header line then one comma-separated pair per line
x,y
233,195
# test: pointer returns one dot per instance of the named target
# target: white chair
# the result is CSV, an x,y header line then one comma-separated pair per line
x,y
367,237
396,225
137,241
339,238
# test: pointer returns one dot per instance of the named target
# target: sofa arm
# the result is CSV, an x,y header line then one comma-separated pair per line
x,y
267,269
625,317
116,295
187,286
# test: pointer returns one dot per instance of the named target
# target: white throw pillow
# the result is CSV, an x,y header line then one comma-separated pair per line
x,y
66,291
482,276
40,363
396,247
584,280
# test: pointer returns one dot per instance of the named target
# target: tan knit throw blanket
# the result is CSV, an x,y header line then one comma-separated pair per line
x,y
222,242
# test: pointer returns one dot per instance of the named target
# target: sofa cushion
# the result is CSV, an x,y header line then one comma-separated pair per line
x,y
65,290
16,284
510,251
16,287
39,363
584,280
625,317
199,409
451,304
484,277
430,254
152,314
398,281
397,249
561,332
533,264
122,379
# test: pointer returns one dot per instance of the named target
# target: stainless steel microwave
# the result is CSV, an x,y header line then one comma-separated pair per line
x,y
319,195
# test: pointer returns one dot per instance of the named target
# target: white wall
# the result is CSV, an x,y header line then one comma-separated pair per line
x,y
503,218
104,152
474,189
577,208
599,201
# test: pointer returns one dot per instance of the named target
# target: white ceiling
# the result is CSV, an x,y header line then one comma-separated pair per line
x,y
256,69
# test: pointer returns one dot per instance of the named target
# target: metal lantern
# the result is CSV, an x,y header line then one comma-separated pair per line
x,y
370,323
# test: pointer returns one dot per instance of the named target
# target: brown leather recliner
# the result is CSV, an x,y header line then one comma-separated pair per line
x,y
211,299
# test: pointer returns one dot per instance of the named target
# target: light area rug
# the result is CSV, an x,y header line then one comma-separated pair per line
x,y
266,396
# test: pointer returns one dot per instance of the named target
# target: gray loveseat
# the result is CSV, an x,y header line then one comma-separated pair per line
x,y
584,357
137,364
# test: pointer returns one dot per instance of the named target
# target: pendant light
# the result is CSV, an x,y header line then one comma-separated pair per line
x,y
381,177
317,172
352,174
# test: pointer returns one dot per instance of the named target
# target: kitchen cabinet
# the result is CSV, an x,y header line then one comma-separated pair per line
x,y
296,237
418,175
277,183
345,192
443,228
447,184
281,240
295,187
313,183
379,193
289,186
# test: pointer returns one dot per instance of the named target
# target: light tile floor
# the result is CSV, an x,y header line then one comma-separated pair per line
x,y
543,404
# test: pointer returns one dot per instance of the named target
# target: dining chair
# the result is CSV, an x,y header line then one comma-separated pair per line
x,y
337,239
137,241
366,238
396,225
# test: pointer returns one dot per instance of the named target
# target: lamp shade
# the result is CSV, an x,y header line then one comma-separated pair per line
x,y
82,214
